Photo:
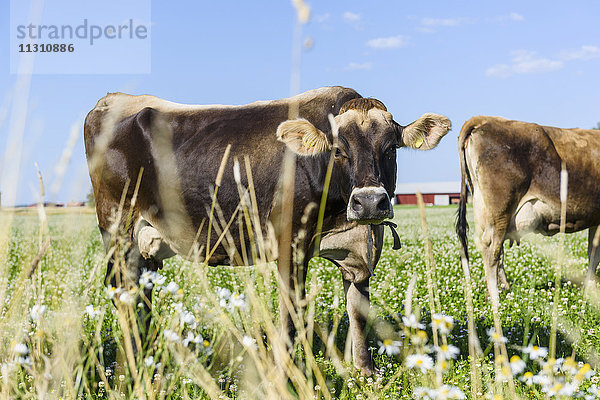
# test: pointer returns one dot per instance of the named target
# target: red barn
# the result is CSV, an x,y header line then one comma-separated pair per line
x,y
434,193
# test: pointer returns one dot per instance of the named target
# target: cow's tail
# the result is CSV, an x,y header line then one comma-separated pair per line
x,y
462,226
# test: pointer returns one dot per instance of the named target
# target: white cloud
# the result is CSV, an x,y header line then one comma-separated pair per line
x,y
359,66
528,62
388,42
437,22
513,17
524,62
429,25
351,17
583,53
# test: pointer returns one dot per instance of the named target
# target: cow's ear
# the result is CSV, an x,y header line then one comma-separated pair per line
x,y
426,132
302,137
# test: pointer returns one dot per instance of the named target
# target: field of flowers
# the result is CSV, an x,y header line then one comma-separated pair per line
x,y
212,334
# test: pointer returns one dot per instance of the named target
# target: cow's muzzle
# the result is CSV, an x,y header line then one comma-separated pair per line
x,y
369,205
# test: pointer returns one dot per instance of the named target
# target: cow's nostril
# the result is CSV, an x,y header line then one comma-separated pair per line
x,y
356,205
383,204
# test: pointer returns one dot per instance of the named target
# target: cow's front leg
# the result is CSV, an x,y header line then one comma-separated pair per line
x,y
358,306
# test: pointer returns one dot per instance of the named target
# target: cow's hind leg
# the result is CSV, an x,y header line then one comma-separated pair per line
x,y
491,249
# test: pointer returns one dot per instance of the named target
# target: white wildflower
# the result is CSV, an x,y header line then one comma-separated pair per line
x,y
585,372
21,349
171,336
147,279
540,379
442,323
568,389
190,338
516,365
112,291
569,365
23,360
159,279
37,311
237,301
535,352
424,393
448,392
187,318
420,338
421,361
249,342
172,287
411,322
496,337
205,347
92,311
390,347
149,361
126,297
527,378
223,294
448,351
594,392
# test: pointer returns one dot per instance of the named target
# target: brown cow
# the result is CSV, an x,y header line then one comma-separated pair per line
x,y
180,148
513,170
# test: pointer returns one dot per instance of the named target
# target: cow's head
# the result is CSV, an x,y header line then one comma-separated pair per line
x,y
365,152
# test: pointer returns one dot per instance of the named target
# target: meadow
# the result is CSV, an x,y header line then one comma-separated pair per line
x,y
214,327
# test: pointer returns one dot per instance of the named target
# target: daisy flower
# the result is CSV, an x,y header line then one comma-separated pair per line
x,y
411,322
496,337
442,323
535,352
391,347
447,351
516,365
421,361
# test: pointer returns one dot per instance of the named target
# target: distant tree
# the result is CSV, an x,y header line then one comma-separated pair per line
x,y
89,199
597,126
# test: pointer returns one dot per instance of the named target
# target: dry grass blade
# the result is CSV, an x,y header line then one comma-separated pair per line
x,y
474,346
564,182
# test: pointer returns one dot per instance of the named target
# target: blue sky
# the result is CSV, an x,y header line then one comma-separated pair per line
x,y
535,61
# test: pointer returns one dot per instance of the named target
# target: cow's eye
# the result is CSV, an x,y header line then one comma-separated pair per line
x,y
339,153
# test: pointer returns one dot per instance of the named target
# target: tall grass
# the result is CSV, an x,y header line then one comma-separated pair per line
x,y
215,333
215,330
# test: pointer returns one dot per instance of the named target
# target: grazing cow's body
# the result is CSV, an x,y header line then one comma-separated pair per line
x,y
513,170
180,149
